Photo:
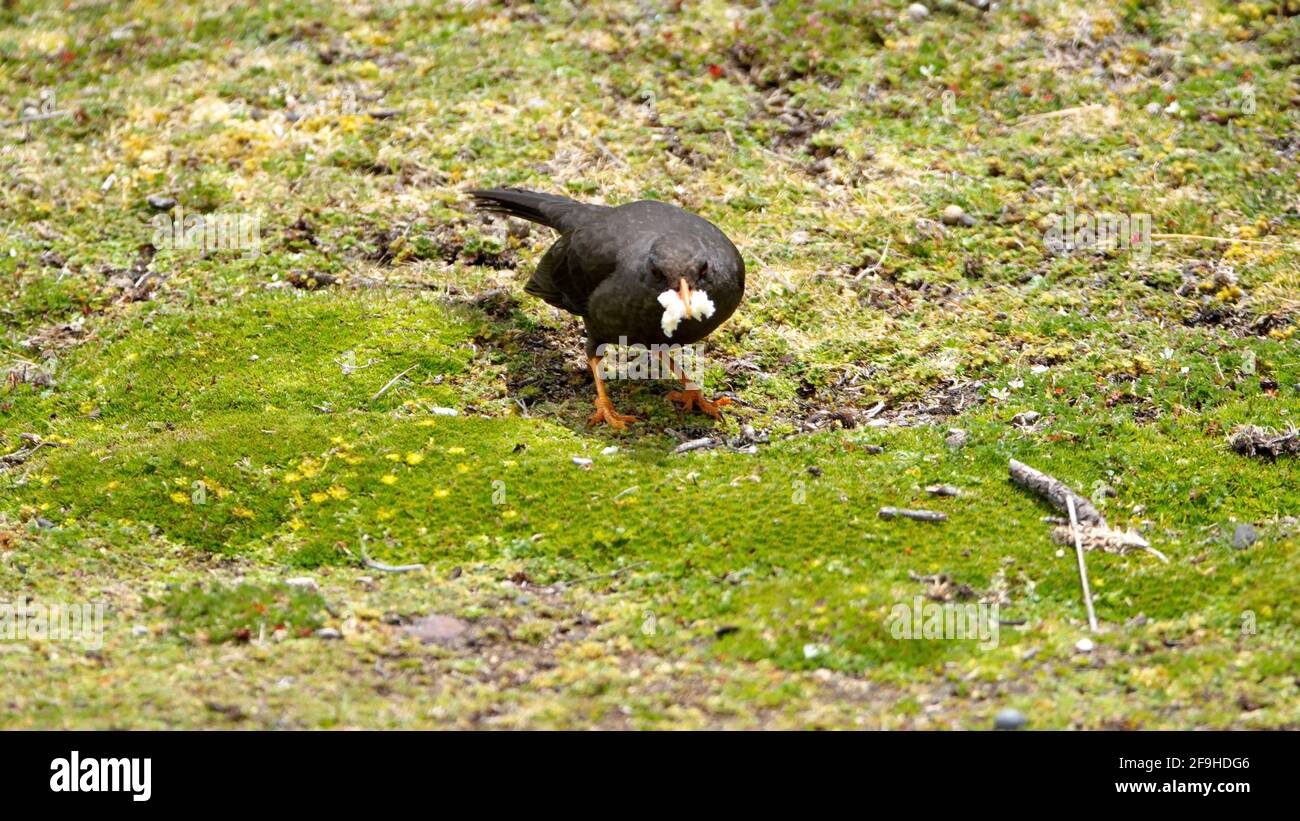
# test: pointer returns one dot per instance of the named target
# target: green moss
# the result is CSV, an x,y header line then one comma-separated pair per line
x,y
242,613
228,431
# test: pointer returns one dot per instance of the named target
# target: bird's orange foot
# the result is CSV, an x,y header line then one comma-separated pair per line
x,y
695,399
605,413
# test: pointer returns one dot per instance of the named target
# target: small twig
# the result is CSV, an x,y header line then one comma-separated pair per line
x,y
35,118
697,444
1162,557
619,572
919,515
1228,239
1083,568
387,568
1057,114
871,269
25,452
604,149
392,382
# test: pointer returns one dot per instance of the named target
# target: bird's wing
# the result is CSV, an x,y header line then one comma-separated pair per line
x,y
553,281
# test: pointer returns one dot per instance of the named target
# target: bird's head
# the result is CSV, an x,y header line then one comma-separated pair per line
x,y
682,270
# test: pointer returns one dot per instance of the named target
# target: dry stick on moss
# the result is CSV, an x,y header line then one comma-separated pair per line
x,y
919,515
1083,568
34,118
618,572
1059,113
1227,239
387,568
392,382
1056,492
26,452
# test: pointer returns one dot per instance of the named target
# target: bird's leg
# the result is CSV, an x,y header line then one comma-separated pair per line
x,y
604,408
690,395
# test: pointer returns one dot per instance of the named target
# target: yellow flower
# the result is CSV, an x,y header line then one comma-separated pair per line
x,y
441,493
338,492
414,458
181,498
389,479
319,497
242,512
455,450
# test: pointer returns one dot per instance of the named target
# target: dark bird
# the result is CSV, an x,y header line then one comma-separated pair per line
x,y
644,273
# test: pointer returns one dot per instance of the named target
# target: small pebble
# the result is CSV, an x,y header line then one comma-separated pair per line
x,y
444,411
1085,646
1009,719
1244,536
954,215
1026,418
302,583
582,462
943,490
328,633
957,438
139,630
1153,108
918,12
159,202
609,451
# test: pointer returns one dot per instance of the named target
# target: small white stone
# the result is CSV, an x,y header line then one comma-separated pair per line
x,y
1085,646
302,583
444,411
956,215
609,451
918,12
139,630
582,461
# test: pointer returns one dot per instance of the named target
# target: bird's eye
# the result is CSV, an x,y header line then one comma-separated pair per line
x,y
702,271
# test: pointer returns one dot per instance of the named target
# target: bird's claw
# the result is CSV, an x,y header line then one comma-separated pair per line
x,y
695,399
605,413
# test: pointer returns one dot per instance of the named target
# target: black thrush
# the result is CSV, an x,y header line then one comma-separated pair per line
x,y
644,273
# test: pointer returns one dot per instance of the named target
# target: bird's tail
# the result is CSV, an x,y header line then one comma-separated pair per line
x,y
560,213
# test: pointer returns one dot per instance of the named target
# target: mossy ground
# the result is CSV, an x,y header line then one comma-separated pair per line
x,y
213,431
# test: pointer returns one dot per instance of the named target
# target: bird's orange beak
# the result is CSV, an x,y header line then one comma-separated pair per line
x,y
684,291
